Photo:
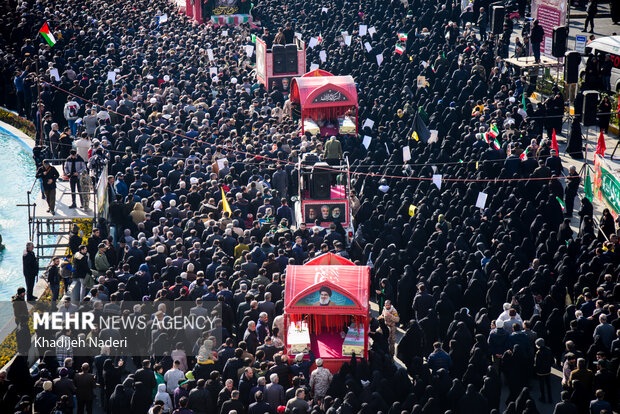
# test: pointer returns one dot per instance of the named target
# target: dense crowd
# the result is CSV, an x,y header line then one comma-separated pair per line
x,y
485,297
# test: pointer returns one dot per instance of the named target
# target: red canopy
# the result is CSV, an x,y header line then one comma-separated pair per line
x,y
324,92
347,286
329,259
317,72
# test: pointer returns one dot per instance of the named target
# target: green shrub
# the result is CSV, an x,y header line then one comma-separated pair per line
x,y
18,122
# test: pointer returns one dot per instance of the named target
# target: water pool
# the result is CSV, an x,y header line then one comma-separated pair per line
x,y
17,171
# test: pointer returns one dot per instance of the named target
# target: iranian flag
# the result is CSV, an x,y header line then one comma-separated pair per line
x,y
523,155
402,36
320,38
399,49
494,132
47,35
561,203
496,144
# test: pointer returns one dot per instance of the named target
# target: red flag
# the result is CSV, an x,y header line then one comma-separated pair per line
x,y
554,143
600,146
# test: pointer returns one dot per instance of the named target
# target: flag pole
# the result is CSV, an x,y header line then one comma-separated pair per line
x,y
36,64
585,166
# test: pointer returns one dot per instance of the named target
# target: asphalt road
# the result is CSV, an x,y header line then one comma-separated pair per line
x,y
603,25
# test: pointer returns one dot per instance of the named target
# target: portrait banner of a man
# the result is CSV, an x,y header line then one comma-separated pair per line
x,y
325,296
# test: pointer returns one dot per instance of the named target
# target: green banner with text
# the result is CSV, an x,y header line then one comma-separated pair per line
x,y
606,184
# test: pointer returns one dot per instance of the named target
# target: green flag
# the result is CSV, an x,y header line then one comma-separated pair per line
x,y
423,114
523,99
587,186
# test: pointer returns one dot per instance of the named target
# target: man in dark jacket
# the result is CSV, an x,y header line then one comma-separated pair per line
x,y
301,368
537,36
85,384
565,407
279,181
92,245
31,270
199,399
81,270
422,302
232,365
250,337
498,339
483,20
260,406
554,163
246,383
439,358
591,10
282,369
64,386
542,364
74,164
45,401
20,309
53,279
233,404
48,175
145,375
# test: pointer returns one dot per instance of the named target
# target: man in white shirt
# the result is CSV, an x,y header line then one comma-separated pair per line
x,y
505,315
70,112
172,377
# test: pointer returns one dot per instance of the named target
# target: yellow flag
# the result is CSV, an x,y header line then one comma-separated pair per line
x,y
476,164
225,206
412,210
415,136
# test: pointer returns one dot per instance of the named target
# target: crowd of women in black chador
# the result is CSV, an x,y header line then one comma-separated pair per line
x,y
487,296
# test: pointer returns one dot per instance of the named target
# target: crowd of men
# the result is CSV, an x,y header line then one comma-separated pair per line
x,y
486,297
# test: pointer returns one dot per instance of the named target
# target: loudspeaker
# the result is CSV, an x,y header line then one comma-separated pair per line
x,y
497,19
614,9
590,107
291,58
560,36
321,182
279,59
572,60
